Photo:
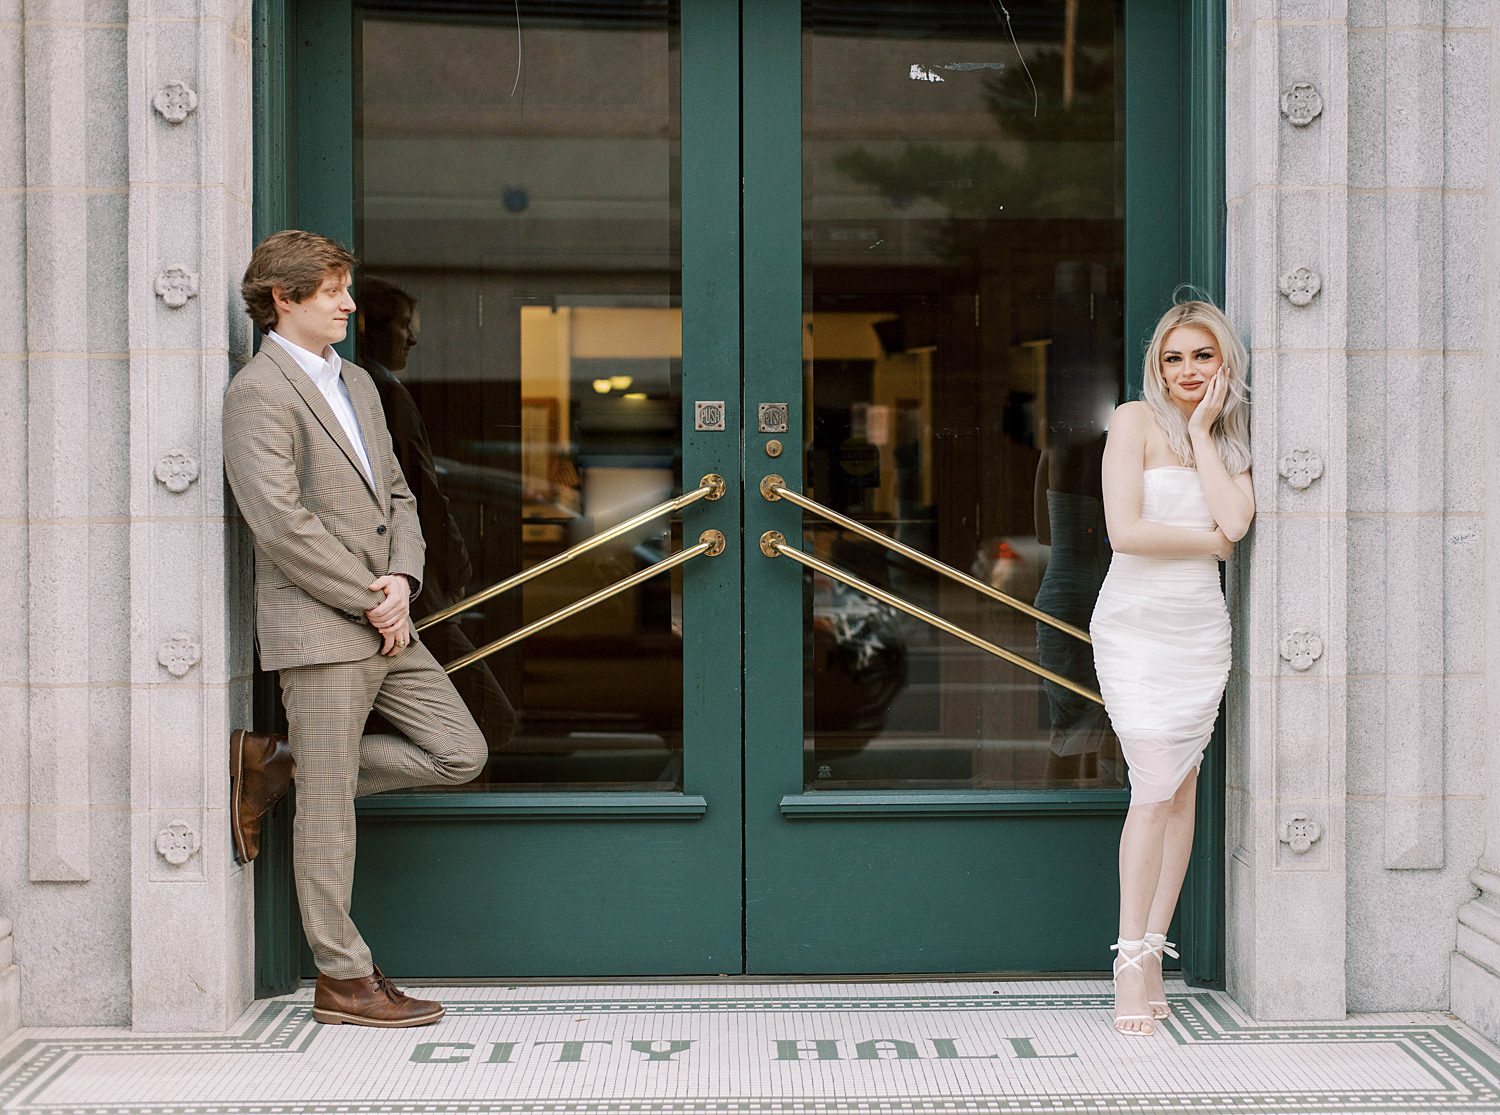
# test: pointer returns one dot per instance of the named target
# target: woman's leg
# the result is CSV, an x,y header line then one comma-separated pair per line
x,y
1177,847
1141,858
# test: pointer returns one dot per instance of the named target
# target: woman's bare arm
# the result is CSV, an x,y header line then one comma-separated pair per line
x,y
1124,487
1230,498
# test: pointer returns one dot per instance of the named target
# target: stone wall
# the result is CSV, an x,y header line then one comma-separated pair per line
x,y
1417,175
13,680
1475,970
64,433
189,238
124,223
1286,183
10,982
1357,174
1364,264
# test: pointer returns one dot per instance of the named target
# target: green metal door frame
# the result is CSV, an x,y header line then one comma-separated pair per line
x,y
302,110
541,851
682,850
276,922
820,866
1165,246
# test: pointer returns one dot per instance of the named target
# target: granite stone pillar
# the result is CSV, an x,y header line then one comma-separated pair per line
x,y
189,232
1474,970
63,506
1416,533
10,983
14,698
1286,176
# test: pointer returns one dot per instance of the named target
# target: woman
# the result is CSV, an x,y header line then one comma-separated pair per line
x,y
1177,497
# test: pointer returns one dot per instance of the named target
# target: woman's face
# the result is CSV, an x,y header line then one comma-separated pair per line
x,y
1189,359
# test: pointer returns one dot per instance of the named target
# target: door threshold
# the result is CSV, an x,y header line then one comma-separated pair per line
x,y
617,981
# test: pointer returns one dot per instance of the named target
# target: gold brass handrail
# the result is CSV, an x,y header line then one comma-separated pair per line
x,y
773,544
710,542
711,487
774,488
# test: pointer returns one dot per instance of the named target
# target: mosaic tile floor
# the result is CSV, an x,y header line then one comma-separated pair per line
x,y
762,1049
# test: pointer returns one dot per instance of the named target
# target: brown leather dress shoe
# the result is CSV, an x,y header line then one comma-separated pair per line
x,y
370,1000
260,773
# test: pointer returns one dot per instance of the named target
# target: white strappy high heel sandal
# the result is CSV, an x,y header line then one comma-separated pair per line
x,y
1129,954
1156,945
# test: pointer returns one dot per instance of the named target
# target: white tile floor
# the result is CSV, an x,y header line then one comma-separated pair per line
x,y
767,1049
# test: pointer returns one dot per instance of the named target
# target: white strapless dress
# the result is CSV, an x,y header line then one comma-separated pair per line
x,y
1161,644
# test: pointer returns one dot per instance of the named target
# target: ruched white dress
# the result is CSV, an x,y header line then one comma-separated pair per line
x,y
1161,644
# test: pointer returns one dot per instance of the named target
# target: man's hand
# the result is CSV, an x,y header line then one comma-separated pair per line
x,y
392,616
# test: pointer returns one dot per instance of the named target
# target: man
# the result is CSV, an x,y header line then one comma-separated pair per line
x,y
388,325
338,557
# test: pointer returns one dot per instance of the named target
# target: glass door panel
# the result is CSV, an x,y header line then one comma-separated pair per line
x,y
520,310
885,252
963,273
951,181
517,180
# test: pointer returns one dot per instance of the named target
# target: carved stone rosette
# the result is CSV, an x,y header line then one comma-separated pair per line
x,y
177,843
1301,104
177,471
179,654
1301,286
1300,468
1300,832
1301,647
176,285
175,102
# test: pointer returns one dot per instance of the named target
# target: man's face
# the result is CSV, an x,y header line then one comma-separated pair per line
x,y
401,335
319,320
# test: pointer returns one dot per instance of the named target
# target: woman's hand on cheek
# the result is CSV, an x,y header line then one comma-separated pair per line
x,y
1212,404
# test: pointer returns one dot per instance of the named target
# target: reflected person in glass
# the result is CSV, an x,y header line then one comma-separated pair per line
x,y
1177,497
1070,520
387,330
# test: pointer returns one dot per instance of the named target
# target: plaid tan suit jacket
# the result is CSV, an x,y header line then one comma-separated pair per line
x,y
322,533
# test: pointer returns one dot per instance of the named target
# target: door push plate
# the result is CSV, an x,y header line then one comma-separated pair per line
x,y
773,418
708,415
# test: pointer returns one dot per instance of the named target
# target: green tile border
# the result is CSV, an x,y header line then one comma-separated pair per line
x,y
281,1027
1241,1103
1466,1077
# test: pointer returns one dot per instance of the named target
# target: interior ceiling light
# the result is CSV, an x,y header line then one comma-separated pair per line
x,y
621,383
601,386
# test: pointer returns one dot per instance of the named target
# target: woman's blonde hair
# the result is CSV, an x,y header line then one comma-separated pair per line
x,y
1231,430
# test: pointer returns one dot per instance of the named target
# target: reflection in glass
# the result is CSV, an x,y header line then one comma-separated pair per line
x,y
387,326
963,274
518,231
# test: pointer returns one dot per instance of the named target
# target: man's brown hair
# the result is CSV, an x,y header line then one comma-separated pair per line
x,y
294,262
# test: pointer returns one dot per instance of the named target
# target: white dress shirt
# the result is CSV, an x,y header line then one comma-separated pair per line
x,y
324,371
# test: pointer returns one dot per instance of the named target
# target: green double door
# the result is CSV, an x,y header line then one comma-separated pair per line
x,y
898,257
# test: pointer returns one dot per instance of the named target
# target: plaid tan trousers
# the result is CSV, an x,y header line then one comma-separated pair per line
x,y
326,708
